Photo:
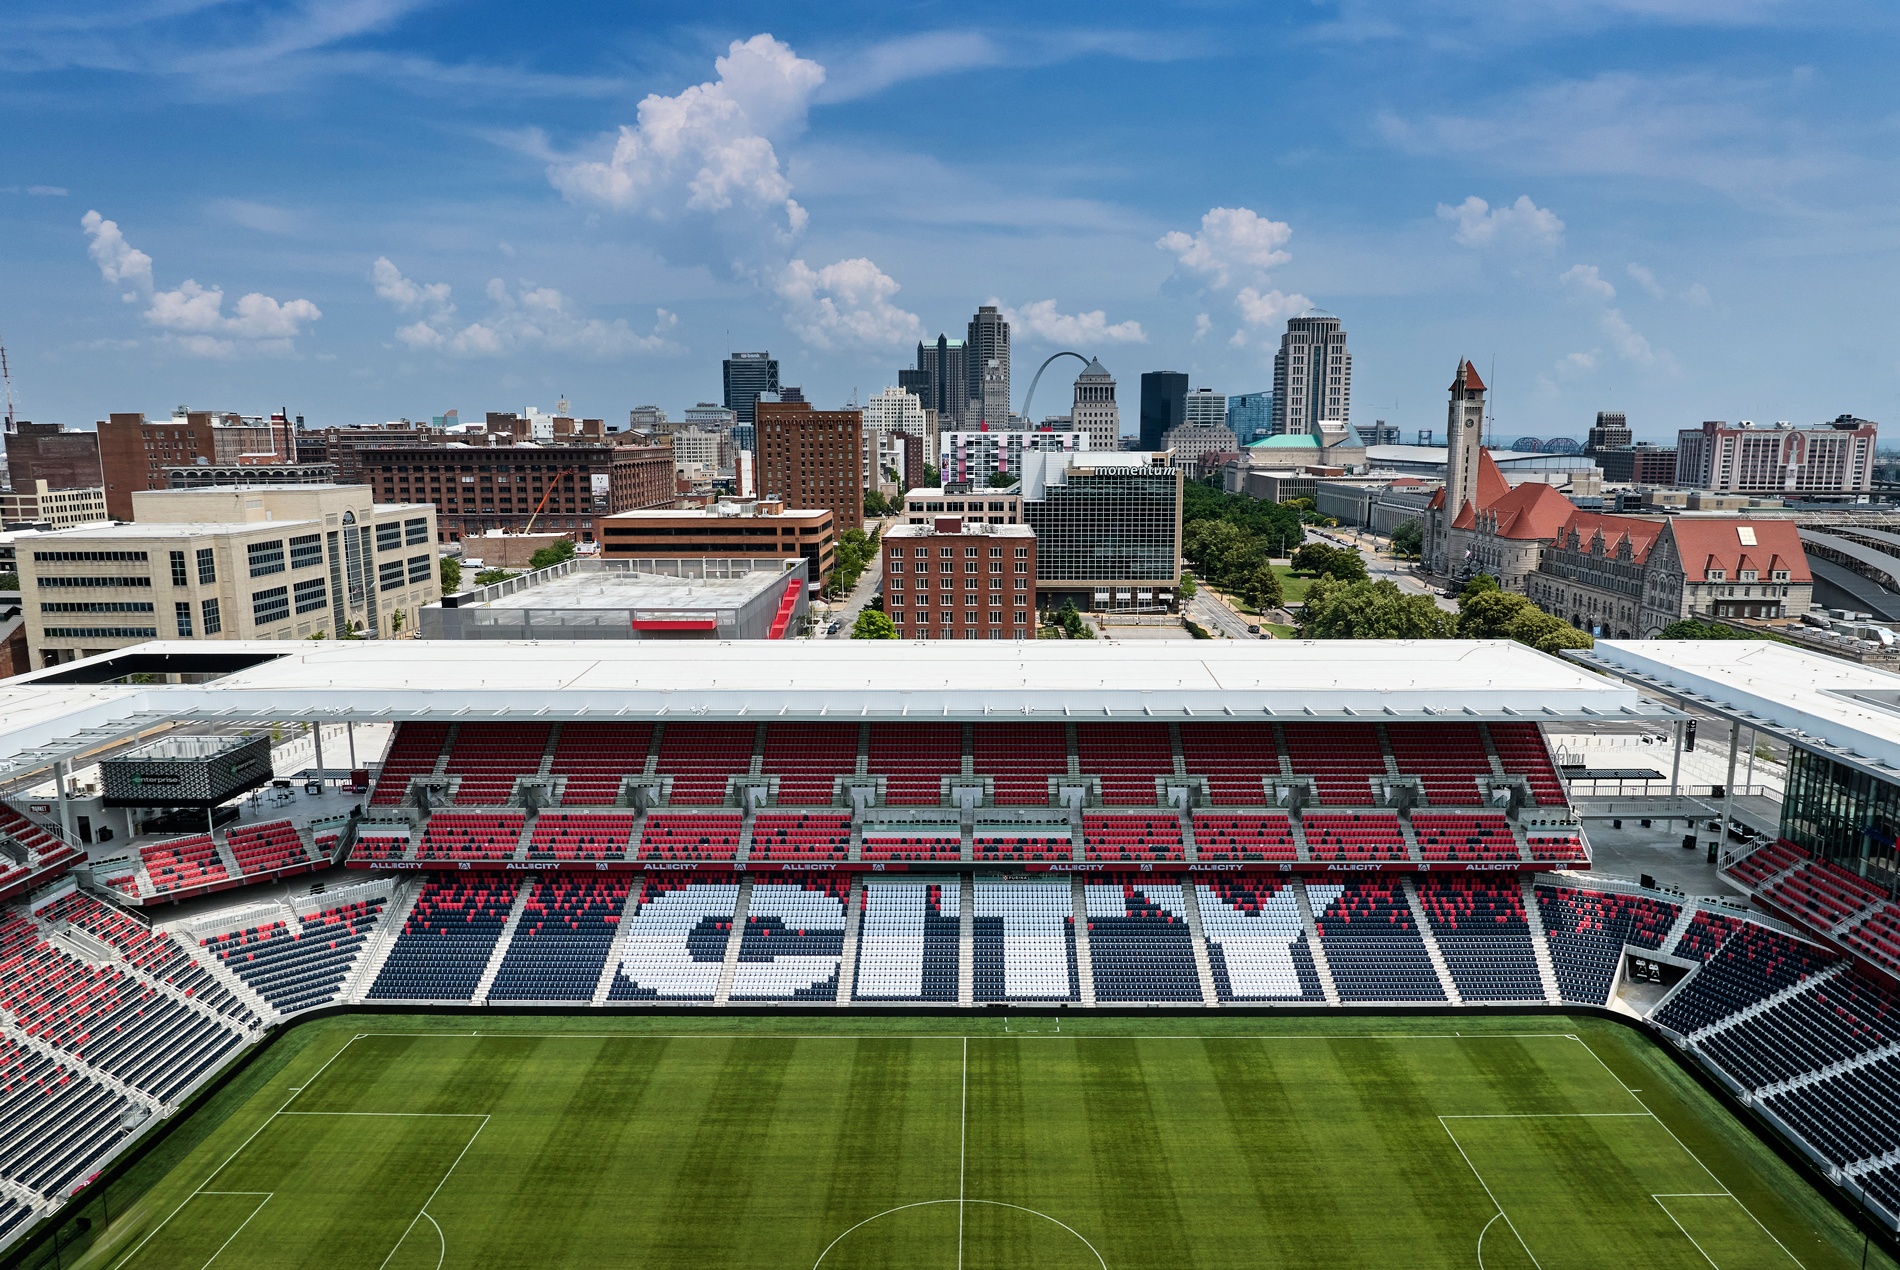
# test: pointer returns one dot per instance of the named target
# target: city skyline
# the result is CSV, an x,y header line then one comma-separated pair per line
x,y
1619,204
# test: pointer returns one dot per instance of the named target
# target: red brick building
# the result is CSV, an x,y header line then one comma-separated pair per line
x,y
64,459
949,580
135,451
479,488
812,458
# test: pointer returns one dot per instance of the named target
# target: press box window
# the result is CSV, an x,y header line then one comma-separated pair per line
x,y
306,551
266,557
270,606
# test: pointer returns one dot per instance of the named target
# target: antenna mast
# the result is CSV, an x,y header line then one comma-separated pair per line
x,y
6,378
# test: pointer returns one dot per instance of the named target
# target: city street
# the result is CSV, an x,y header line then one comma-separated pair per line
x,y
1217,617
1382,567
845,612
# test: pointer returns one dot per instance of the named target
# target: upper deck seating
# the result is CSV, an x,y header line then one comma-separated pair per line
x,y
413,751
701,758
1342,758
1522,752
1355,836
808,758
489,756
1234,757
914,843
801,838
1449,759
581,835
672,835
1134,839
596,757
1464,836
1020,758
1127,757
913,759
471,835
183,864
1220,835
1022,843
267,848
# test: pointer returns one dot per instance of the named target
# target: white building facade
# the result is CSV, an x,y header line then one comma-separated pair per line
x,y
1095,411
1312,376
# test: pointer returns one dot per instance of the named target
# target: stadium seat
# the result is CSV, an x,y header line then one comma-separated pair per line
x,y
1256,943
445,944
793,939
1024,949
1243,836
567,926
1139,945
1234,757
1484,936
676,940
1371,943
1020,758
907,942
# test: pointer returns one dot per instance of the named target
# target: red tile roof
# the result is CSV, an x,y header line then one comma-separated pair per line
x,y
1718,543
1467,378
1587,526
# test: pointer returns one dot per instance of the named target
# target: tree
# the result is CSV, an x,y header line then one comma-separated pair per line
x,y
554,553
1188,588
1548,633
396,620
1298,504
9,582
872,624
1342,564
1264,586
932,479
451,575
1276,527
1070,622
1369,610
489,577
1408,540
1477,586
1690,628
1002,480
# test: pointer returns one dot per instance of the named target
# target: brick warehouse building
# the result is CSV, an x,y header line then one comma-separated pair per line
x,y
951,580
813,458
134,452
476,489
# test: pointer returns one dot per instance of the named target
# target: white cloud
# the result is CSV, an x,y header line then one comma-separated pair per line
x,y
48,191
710,148
1628,342
1269,308
259,216
522,318
844,303
1646,279
1202,325
1587,281
191,315
1519,224
1232,240
1041,320
1697,294
118,260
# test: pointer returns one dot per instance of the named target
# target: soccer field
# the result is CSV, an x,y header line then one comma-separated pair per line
x,y
851,1143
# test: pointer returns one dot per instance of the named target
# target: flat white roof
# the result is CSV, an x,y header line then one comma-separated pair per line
x,y
1842,708
1288,680
166,529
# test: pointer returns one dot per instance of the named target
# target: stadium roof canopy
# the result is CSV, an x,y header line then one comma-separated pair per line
x,y
1845,710
1289,680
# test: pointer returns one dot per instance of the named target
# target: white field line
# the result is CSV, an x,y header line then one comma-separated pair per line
x,y
241,1225
1691,1154
1493,1198
423,1211
963,1142
295,1093
1685,1231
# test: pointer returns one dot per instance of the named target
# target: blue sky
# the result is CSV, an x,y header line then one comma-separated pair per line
x,y
367,209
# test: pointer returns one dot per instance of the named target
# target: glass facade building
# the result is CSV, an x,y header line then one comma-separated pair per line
x,y
1250,415
1842,814
1108,537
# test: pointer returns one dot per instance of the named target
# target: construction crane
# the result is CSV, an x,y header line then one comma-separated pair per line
x,y
542,505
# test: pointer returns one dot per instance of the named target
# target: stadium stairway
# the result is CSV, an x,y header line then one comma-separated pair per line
x,y
234,983
1325,972
1540,943
1084,960
75,943
74,1062
1430,940
853,915
1197,937
622,933
523,886
966,928
742,910
395,917
1681,927
1802,1079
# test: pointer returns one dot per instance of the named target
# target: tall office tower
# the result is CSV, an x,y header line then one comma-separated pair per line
x,y
1095,412
647,419
943,371
987,364
1312,376
1464,436
1163,405
1611,433
1204,408
886,414
747,375
1250,415
813,459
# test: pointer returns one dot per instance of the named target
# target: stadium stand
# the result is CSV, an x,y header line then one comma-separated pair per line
x,y
447,940
567,927
907,942
1763,863
1353,837
268,849
1244,836
1822,895
1020,758
1449,759
594,758
1878,937
181,865
1139,945
793,939
374,844
55,1121
1522,752
1133,839
913,759
1833,1022
711,837
1705,935
1342,758
1848,1117
808,758
156,955
1024,949
676,939
1234,757
801,837
937,843
581,835
701,757
299,967
1018,844
1473,836
1256,942
1485,937
489,756
1127,757
413,751
1372,945
1586,932
471,835
1752,964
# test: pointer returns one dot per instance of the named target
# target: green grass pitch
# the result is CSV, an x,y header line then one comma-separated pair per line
x,y
848,1143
